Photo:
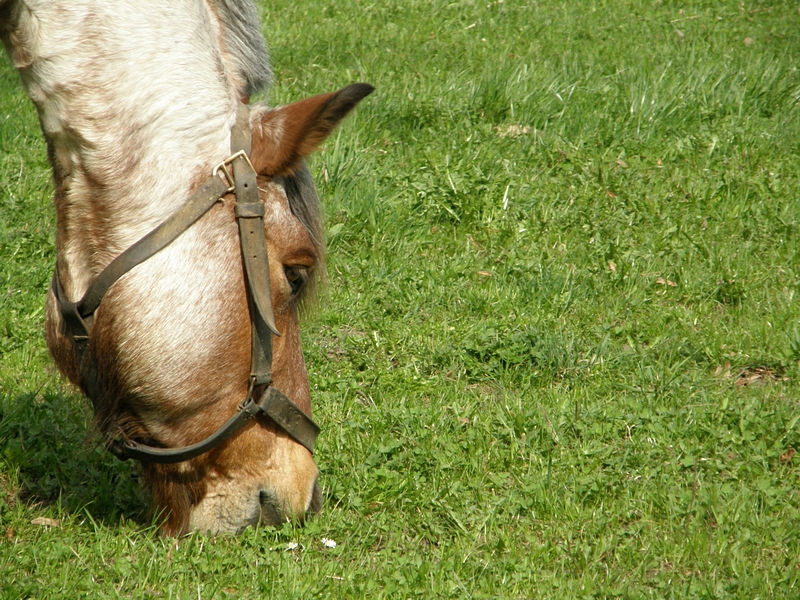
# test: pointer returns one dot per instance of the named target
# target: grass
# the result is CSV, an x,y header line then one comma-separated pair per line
x,y
557,354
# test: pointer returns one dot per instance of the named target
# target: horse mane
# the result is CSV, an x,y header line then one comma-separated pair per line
x,y
304,204
241,32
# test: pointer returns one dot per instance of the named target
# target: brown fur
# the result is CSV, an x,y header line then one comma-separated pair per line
x,y
289,133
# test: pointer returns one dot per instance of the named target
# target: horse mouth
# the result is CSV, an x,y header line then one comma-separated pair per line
x,y
273,514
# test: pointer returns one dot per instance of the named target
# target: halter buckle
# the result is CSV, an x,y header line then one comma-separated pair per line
x,y
223,166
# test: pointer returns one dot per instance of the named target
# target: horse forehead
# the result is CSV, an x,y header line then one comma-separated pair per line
x,y
282,226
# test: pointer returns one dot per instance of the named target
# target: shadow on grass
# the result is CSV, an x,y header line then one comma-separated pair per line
x,y
48,438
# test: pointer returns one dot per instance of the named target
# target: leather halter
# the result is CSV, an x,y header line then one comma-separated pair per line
x,y
239,179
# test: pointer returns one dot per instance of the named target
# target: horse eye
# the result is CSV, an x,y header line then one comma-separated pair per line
x,y
297,278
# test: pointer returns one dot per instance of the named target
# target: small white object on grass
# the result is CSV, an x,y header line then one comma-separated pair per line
x,y
328,543
292,546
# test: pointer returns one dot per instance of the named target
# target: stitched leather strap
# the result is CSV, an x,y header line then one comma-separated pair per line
x,y
250,217
289,417
199,204
273,403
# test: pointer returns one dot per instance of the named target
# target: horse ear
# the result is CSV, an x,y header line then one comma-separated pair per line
x,y
283,136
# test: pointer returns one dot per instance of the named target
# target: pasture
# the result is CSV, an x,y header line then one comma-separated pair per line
x,y
558,350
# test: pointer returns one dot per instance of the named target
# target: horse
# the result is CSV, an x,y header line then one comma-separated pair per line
x,y
182,329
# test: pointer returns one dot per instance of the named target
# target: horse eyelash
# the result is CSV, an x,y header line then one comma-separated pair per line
x,y
304,276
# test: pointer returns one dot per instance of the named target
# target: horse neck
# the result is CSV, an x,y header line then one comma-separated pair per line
x,y
135,112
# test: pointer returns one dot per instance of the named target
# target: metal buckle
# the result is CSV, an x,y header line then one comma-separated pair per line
x,y
228,173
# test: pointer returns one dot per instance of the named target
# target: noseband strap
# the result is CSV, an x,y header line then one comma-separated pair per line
x,y
273,404
240,179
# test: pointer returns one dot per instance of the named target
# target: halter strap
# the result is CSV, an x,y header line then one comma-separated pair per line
x,y
249,210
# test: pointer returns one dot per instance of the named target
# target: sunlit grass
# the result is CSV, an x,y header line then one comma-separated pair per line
x,y
557,353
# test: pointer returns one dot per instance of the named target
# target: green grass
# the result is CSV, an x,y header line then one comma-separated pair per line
x,y
557,353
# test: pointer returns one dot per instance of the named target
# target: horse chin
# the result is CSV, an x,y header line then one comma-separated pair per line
x,y
226,509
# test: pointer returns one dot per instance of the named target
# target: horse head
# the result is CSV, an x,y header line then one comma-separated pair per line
x,y
261,474
141,109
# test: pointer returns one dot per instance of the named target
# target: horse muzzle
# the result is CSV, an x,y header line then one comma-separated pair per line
x,y
271,512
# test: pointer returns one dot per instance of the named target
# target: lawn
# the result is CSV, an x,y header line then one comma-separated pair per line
x,y
557,354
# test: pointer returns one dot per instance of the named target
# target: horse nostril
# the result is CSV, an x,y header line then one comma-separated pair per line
x,y
270,513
